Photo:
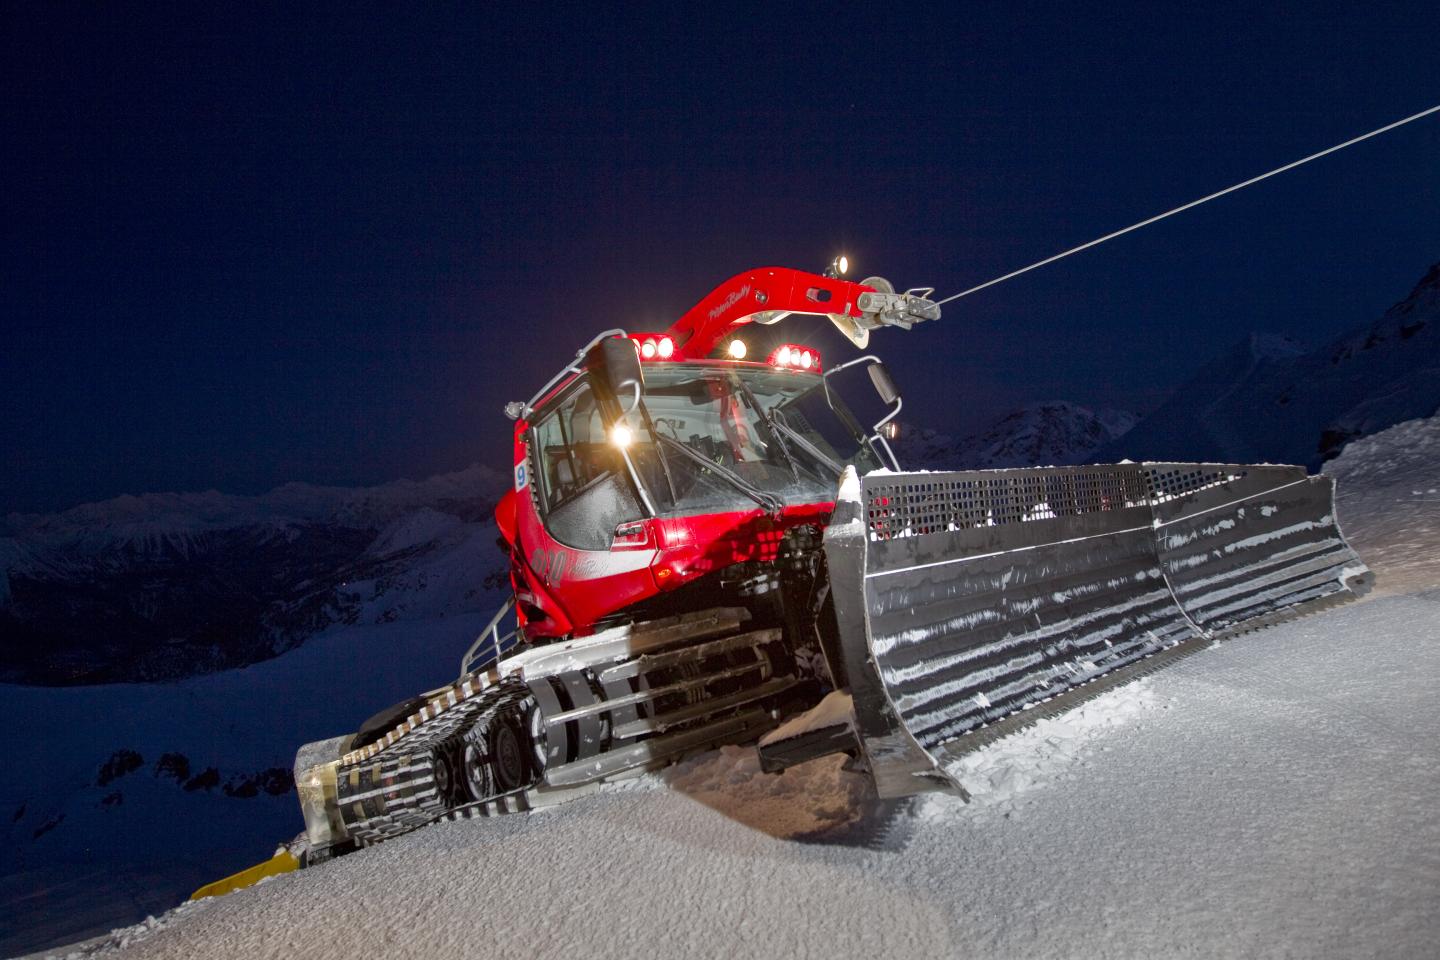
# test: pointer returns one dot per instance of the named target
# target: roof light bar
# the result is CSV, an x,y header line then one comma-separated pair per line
x,y
653,346
795,356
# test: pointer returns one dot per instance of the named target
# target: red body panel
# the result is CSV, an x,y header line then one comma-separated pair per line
x,y
574,588
691,547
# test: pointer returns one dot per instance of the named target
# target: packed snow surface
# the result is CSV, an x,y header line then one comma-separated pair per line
x,y
1273,795
1388,503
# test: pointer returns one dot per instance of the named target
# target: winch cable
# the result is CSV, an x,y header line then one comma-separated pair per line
x,y
1193,203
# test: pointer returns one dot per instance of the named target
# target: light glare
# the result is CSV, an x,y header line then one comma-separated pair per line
x,y
620,435
666,348
737,349
647,350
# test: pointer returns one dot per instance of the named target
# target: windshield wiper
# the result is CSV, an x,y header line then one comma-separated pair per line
x,y
772,503
778,439
774,418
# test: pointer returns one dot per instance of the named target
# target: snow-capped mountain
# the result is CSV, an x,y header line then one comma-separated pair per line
x,y
163,586
1267,399
1038,434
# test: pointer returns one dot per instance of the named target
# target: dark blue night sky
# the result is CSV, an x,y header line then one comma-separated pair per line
x,y
241,248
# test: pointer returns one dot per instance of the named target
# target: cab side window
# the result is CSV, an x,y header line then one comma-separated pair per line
x,y
585,490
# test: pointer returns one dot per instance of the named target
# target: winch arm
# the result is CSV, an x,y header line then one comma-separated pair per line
x,y
768,294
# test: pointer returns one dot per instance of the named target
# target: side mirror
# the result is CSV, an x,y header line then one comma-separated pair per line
x,y
884,385
623,372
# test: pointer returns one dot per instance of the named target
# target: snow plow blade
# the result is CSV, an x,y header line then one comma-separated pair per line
x,y
970,604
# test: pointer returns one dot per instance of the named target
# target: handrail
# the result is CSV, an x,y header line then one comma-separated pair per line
x,y
491,634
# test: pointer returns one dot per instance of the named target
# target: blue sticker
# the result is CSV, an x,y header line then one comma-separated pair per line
x,y
521,476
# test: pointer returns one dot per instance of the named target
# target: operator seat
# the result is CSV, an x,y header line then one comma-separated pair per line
x,y
564,483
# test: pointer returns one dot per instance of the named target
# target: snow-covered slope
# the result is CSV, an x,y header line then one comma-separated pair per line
x,y
1267,797
1265,399
1038,434
163,586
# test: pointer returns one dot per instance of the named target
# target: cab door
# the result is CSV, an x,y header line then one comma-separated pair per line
x,y
583,494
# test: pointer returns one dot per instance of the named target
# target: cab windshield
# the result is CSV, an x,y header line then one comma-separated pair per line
x,y
700,427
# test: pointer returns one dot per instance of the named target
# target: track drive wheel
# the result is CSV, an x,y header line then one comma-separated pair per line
x,y
444,779
499,755
507,757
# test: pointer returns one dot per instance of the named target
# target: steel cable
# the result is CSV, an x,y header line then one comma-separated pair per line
x,y
1194,203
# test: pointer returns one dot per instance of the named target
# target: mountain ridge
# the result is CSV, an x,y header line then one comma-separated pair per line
x,y
1040,433
1257,401
162,586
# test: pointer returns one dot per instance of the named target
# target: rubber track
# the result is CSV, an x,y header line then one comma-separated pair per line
x,y
444,714
402,806
378,801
